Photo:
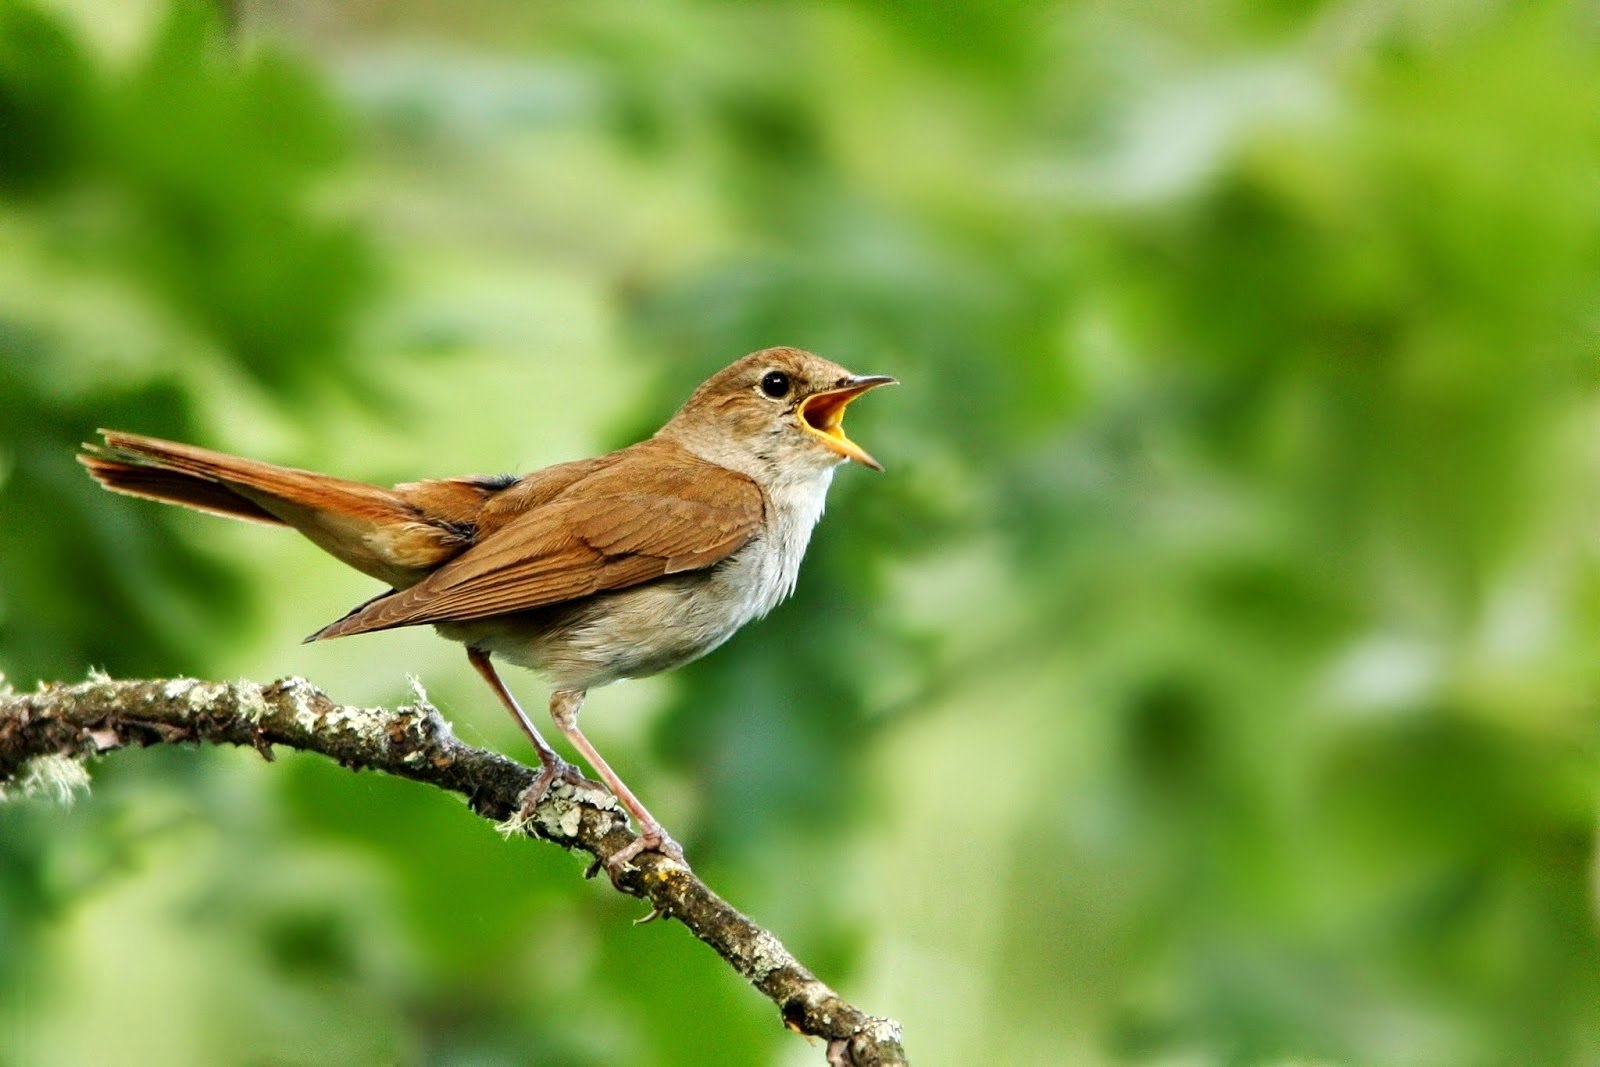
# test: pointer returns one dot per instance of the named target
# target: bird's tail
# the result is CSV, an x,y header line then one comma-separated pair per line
x,y
354,521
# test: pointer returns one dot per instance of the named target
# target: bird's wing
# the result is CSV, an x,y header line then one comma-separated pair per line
x,y
660,511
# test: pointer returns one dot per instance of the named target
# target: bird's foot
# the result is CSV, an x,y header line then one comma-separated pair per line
x,y
548,773
652,838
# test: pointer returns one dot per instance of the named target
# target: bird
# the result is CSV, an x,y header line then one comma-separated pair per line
x,y
588,572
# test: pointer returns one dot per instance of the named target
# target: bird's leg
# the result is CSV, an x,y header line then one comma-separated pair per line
x,y
551,765
564,706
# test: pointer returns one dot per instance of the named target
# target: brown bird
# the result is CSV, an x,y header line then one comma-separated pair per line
x,y
615,567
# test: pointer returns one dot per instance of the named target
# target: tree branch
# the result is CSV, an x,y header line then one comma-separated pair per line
x,y
47,735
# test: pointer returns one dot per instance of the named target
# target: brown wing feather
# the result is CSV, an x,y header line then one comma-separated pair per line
x,y
603,532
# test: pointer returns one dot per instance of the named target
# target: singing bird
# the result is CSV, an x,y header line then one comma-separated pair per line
x,y
620,566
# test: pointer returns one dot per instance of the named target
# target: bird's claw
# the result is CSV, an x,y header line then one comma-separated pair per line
x,y
548,773
653,839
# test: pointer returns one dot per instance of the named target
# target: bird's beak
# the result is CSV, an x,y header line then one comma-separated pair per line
x,y
823,414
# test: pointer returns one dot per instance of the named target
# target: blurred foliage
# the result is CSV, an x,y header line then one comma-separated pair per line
x,y
181,185
1210,680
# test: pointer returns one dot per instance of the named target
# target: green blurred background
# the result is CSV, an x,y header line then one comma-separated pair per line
x,y
1211,679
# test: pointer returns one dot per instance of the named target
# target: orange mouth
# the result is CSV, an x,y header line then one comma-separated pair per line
x,y
823,415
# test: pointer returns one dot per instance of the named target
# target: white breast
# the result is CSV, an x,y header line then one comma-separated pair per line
x,y
770,572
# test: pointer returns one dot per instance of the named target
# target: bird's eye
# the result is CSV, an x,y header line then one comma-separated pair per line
x,y
775,384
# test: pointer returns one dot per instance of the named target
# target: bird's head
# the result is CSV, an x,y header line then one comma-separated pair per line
x,y
773,414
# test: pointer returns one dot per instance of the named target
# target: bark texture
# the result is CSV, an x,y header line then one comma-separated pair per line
x,y
46,737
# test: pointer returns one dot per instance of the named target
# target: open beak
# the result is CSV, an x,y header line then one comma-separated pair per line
x,y
823,414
